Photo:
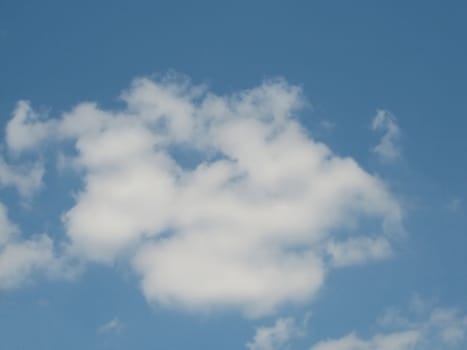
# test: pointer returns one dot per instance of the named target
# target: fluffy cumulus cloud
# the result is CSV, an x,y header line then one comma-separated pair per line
x,y
216,201
388,148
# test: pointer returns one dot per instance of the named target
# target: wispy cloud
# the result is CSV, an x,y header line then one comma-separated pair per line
x,y
327,124
420,326
424,329
25,178
358,250
388,149
112,326
455,204
274,337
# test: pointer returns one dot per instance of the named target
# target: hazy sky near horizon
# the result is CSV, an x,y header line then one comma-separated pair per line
x,y
256,175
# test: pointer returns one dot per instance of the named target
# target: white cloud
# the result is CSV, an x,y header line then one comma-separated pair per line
x,y
327,124
388,148
25,178
455,204
358,250
428,329
239,220
7,228
450,325
421,326
112,326
24,130
21,259
393,341
275,337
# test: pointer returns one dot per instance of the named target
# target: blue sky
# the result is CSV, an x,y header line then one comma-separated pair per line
x,y
233,175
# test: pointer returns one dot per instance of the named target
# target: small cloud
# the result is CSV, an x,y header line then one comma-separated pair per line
x,y
388,149
42,302
419,305
358,250
327,124
455,204
113,326
274,337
